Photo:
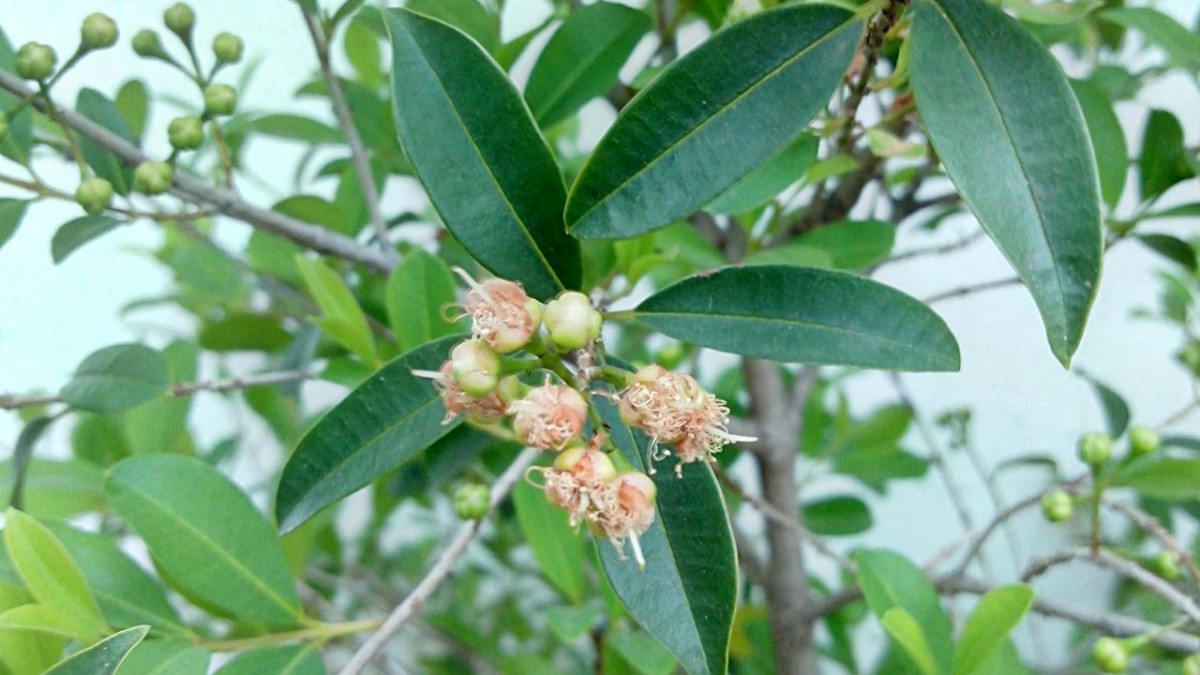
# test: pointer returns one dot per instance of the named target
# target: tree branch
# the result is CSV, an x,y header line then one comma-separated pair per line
x,y
1150,524
13,402
963,291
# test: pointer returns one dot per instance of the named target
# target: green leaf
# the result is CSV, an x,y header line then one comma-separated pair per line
x,y
889,580
1004,661
1167,479
11,213
769,179
102,658
418,295
293,660
675,148
852,244
96,107
1108,140
22,453
1163,161
556,547
161,424
78,232
997,614
469,16
48,570
361,45
206,536
1181,45
791,253
55,489
165,657
382,424
1116,410
295,128
985,87
16,144
583,59
686,595
116,378
134,104
1181,211
475,147
244,332
1172,248
805,315
906,632
50,620
127,596
316,211
1052,13
342,319
837,516
643,654
571,623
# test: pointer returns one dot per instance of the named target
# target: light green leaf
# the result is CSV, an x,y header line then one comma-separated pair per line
x,y
382,424
1052,13
102,658
904,631
1166,478
883,143
48,571
316,211
12,211
852,244
295,128
476,149
206,536
161,424
1181,45
571,623
557,547
674,149
133,101
50,620
342,319
96,107
469,16
770,178
117,377
889,581
419,295
837,516
287,660
1108,140
644,655
78,232
583,59
55,489
244,332
804,315
985,87
361,45
997,614
791,253
165,657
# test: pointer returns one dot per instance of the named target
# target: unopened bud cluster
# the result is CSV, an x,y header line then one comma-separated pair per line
x,y
481,380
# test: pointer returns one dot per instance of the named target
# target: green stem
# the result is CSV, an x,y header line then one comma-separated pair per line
x,y
622,315
1094,508
320,633
617,377
67,66
52,112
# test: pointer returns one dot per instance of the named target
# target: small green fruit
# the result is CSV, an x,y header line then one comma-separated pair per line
x,y
1142,440
219,99
152,178
186,133
1111,655
471,501
475,367
35,61
571,320
1095,448
1057,506
1166,566
94,195
179,19
227,47
145,43
98,31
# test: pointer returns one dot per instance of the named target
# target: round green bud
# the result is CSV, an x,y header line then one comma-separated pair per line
x,y
1142,440
179,19
1166,566
3,125
471,501
219,99
1110,655
1094,448
94,195
186,133
98,31
1191,665
227,47
475,367
145,43
35,61
1057,506
152,178
571,320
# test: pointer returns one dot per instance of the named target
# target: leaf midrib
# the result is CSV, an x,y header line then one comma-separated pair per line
x,y
708,120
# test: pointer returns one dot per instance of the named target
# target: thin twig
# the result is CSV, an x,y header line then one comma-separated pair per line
x,y
963,291
1150,524
13,402
941,249
441,568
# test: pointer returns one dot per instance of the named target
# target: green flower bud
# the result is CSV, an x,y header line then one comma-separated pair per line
x,y
1191,665
1142,440
571,320
152,178
475,367
186,133
471,501
145,43
1094,448
98,31
94,195
1110,655
227,47
1057,506
179,19
35,61
1166,566
511,389
3,125
219,99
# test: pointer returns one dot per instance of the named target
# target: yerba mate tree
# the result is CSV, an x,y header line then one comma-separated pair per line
x,y
536,460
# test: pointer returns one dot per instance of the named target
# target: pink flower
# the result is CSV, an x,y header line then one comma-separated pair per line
x,y
548,417
578,477
502,314
624,509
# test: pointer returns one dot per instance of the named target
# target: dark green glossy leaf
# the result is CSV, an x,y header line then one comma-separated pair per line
x,y
102,658
1172,248
889,580
12,211
1108,140
1163,161
206,536
837,516
997,614
117,377
78,232
713,11
96,107
699,127
22,454
804,315
165,657
558,549
1167,479
769,179
583,59
280,660
1116,410
985,87
244,332
382,424
686,595
478,152
419,296
469,16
